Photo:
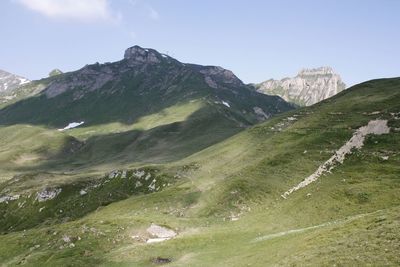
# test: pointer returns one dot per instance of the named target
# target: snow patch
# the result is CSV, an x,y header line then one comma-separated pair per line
x,y
23,81
71,125
377,127
226,104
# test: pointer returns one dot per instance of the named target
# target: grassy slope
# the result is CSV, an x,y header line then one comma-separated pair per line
x,y
244,176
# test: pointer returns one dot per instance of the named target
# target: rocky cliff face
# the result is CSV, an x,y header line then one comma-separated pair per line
x,y
307,88
9,81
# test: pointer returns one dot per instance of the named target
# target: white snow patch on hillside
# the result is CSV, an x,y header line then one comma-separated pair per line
x,y
23,81
72,125
377,127
226,104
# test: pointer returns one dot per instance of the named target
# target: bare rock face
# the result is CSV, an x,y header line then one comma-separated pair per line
x,y
90,77
159,233
47,194
214,74
9,81
307,88
139,55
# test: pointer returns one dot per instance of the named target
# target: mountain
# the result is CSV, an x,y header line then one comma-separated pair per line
x,y
10,85
144,82
307,88
147,107
224,205
9,81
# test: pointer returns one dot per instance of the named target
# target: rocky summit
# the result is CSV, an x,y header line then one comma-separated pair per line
x,y
9,81
307,88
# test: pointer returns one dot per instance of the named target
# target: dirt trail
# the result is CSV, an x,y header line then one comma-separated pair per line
x,y
377,127
301,230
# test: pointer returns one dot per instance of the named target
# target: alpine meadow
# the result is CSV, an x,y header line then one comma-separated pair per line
x,y
152,161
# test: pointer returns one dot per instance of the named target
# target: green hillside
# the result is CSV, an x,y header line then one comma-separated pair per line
x,y
224,201
147,108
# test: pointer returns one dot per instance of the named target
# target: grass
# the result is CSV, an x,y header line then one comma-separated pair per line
x,y
349,217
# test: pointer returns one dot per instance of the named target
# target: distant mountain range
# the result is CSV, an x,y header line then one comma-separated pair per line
x,y
307,88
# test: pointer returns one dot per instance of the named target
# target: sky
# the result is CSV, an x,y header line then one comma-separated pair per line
x,y
256,39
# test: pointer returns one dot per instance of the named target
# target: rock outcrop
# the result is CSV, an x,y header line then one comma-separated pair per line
x,y
307,88
55,72
139,55
9,81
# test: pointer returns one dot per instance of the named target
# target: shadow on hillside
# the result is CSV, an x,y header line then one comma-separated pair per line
x,y
161,144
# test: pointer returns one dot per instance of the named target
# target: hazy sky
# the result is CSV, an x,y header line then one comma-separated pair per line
x,y
257,40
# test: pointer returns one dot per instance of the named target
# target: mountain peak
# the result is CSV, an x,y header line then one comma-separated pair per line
x,y
307,88
55,72
9,81
142,55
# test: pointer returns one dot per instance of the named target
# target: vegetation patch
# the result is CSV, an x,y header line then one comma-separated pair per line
x,y
71,201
